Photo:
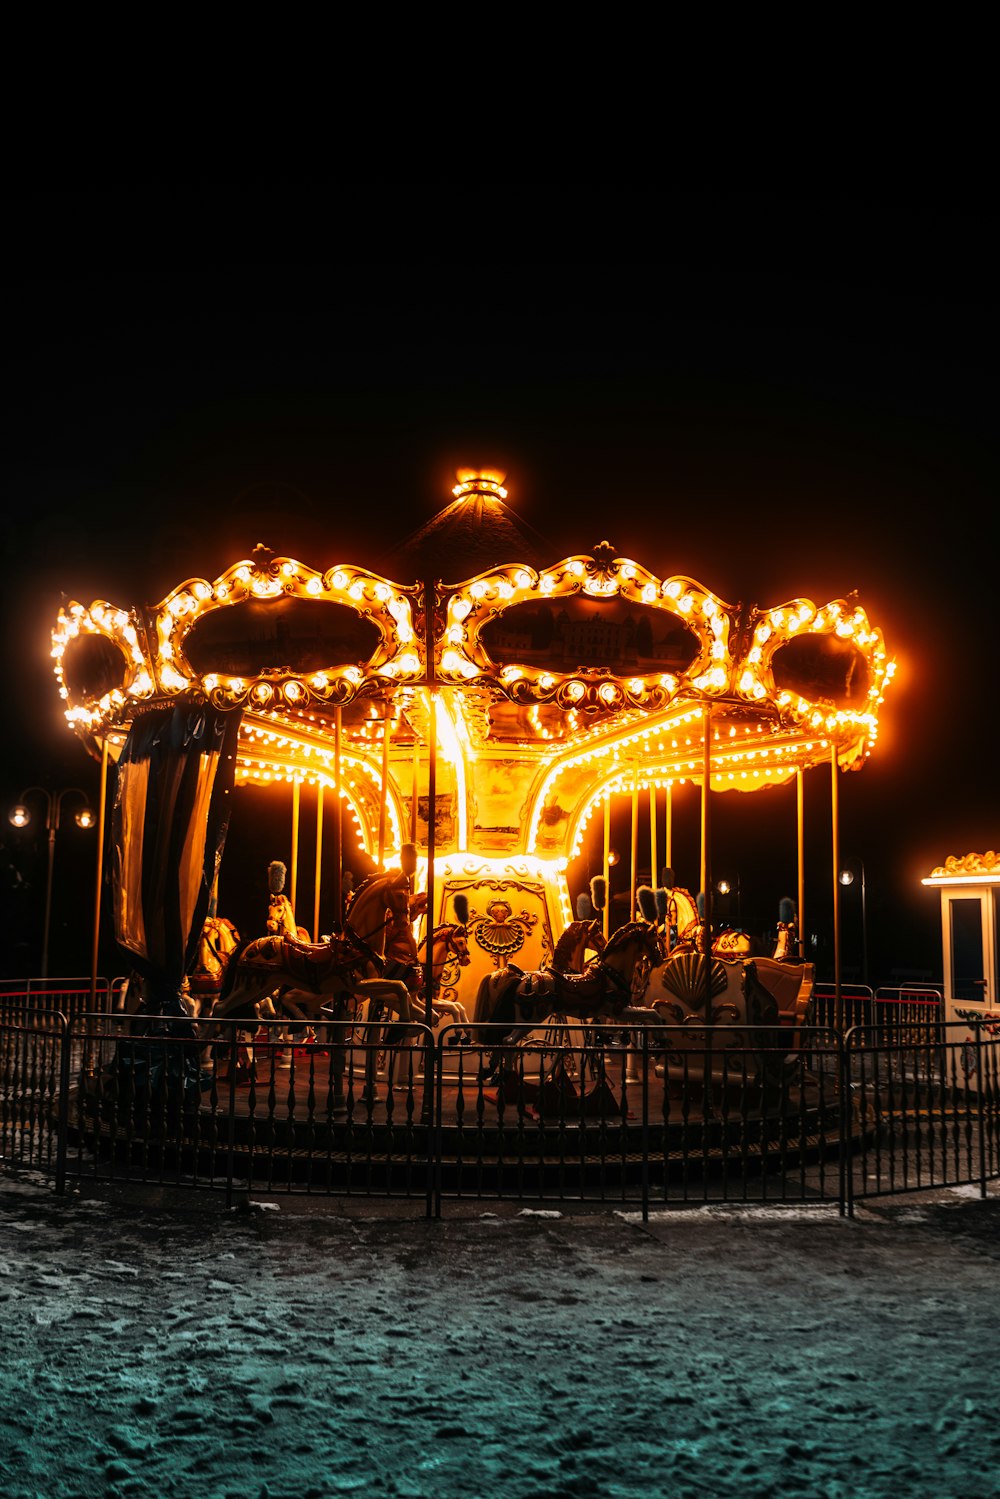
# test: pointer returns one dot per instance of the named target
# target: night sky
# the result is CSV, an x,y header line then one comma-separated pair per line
x,y
780,398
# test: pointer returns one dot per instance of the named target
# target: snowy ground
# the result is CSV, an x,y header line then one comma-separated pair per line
x,y
164,1347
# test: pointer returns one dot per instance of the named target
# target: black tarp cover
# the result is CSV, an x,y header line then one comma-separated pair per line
x,y
173,789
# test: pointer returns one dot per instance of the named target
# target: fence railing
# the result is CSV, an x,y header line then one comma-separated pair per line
x,y
927,1101
893,1010
656,1116
67,996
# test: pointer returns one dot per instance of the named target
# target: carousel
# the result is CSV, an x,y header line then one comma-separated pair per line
x,y
460,738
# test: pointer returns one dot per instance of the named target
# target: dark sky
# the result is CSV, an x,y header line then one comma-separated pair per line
x,y
780,398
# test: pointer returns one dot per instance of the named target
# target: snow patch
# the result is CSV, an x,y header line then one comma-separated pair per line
x,y
539,1213
743,1210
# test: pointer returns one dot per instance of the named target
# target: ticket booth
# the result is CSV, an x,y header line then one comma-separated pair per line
x,y
970,935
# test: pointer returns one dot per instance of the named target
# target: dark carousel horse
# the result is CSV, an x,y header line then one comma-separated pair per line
x,y
511,1003
340,964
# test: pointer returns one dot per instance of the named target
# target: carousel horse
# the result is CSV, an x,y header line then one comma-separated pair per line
x,y
378,902
218,941
580,937
520,1002
347,964
449,942
681,913
280,915
340,965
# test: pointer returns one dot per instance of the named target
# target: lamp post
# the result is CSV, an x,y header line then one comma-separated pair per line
x,y
847,877
20,816
725,887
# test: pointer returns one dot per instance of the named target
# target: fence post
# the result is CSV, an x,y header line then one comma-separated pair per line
x,y
981,1108
846,1139
645,1123
231,1151
434,1132
62,1117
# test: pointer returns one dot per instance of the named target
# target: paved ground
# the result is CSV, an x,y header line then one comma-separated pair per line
x,y
164,1347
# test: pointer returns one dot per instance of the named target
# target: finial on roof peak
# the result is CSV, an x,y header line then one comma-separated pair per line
x,y
487,481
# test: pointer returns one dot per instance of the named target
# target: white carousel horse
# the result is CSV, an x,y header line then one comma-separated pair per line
x,y
682,913
217,942
281,918
520,1002
449,941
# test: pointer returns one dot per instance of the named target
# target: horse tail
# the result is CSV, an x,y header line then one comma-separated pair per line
x,y
491,1005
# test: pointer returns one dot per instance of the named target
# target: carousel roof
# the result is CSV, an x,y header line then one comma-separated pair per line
x,y
477,527
552,683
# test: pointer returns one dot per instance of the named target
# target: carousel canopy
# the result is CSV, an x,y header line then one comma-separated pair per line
x,y
551,683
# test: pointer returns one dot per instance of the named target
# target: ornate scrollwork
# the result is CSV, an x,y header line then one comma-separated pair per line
x,y
499,932
987,863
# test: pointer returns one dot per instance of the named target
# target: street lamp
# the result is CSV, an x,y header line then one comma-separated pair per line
x,y
847,877
20,816
725,887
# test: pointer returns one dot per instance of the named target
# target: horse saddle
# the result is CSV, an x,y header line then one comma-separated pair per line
x,y
537,985
570,990
309,964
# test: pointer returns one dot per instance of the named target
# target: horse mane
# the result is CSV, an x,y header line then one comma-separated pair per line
x,y
441,930
624,934
359,890
368,891
563,949
678,896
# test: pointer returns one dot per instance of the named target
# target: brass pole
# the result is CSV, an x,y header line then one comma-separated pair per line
x,y
296,799
706,866
668,845
431,841
338,827
654,873
838,998
801,833
706,786
385,787
101,813
414,799
635,837
430,596
607,865
319,857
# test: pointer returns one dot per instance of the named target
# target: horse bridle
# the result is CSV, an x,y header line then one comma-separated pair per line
x,y
365,950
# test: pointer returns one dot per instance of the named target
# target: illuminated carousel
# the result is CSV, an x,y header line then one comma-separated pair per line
x,y
485,721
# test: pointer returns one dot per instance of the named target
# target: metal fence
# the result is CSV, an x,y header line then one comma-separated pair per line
x,y
71,997
927,1104
884,1009
643,1118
